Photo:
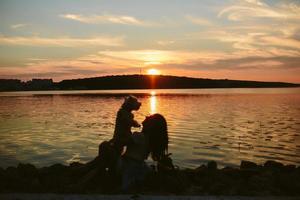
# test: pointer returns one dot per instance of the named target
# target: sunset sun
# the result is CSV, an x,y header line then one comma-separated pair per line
x,y
153,72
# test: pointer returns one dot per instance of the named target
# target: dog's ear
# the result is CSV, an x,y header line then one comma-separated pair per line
x,y
127,98
127,101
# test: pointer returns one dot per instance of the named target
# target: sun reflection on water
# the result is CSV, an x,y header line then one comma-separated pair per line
x,y
153,102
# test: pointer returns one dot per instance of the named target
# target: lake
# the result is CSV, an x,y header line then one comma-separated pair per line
x,y
225,125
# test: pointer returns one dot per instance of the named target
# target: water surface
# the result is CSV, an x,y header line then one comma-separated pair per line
x,y
225,125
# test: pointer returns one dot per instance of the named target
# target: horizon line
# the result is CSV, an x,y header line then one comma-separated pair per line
x,y
152,75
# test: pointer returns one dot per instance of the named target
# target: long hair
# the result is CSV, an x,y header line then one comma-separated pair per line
x,y
155,127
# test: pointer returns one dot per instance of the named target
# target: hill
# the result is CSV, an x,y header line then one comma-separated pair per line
x,y
162,82
134,82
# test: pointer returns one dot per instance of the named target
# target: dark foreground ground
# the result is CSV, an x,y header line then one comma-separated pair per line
x,y
250,179
45,196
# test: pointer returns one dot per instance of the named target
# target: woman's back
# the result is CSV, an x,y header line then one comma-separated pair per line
x,y
152,139
138,149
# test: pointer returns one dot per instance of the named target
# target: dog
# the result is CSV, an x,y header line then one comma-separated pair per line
x,y
124,122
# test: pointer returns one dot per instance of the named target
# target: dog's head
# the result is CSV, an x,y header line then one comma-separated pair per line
x,y
131,103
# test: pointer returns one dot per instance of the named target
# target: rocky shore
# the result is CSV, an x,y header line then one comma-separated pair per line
x,y
270,179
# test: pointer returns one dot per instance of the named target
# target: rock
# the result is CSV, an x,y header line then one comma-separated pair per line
x,y
201,169
212,165
218,188
273,165
176,183
55,178
11,172
165,164
2,179
76,165
57,167
2,171
195,190
230,171
248,165
289,168
27,171
12,180
251,179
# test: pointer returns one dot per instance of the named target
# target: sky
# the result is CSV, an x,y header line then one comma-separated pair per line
x,y
222,39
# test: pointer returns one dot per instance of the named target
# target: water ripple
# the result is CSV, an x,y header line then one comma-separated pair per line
x,y
203,125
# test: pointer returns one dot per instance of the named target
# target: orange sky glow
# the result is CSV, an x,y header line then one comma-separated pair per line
x,y
239,39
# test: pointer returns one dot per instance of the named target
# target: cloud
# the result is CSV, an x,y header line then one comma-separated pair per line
x,y
153,57
239,13
283,42
265,63
165,42
62,41
103,19
136,57
257,9
263,40
59,69
181,62
17,26
56,69
102,63
242,64
250,68
37,59
198,20
198,59
256,2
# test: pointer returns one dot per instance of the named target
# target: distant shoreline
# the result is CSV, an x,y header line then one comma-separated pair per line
x,y
157,92
125,82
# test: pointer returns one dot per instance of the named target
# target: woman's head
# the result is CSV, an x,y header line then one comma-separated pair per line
x,y
155,127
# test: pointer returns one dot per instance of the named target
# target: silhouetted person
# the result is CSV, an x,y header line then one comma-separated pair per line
x,y
152,140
